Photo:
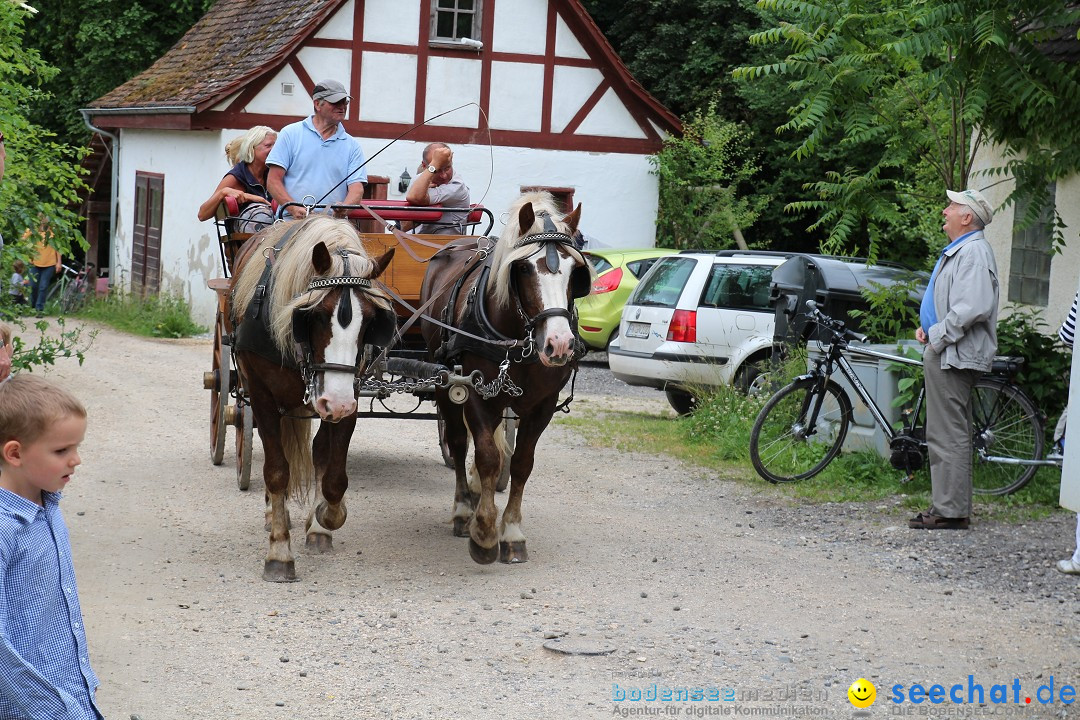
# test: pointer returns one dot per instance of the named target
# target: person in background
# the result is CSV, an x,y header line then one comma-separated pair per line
x,y
1067,333
44,663
17,283
958,326
437,183
245,181
315,160
45,265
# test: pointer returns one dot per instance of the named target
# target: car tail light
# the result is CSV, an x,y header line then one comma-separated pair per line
x,y
683,327
607,282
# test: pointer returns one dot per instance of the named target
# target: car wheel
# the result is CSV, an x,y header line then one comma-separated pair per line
x,y
681,401
751,378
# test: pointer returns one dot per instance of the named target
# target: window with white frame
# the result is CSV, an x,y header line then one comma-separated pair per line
x,y
1032,250
452,20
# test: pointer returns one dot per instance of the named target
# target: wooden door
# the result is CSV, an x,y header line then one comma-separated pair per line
x,y
146,238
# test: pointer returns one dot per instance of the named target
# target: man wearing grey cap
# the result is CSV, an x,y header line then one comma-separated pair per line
x,y
958,325
316,156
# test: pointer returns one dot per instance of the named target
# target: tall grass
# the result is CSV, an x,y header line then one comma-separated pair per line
x,y
163,315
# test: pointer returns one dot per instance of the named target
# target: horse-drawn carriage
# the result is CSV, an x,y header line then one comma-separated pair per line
x,y
229,407
318,313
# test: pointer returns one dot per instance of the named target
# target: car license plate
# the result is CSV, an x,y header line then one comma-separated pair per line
x,y
637,330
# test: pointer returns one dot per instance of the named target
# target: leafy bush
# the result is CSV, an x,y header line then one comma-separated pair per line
x,y
700,205
1044,376
162,315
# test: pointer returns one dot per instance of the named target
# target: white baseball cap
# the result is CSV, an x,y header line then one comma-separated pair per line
x,y
974,200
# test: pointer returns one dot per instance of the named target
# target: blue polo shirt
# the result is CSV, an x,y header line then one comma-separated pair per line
x,y
927,310
313,165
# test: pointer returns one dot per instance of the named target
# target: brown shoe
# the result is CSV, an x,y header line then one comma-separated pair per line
x,y
927,521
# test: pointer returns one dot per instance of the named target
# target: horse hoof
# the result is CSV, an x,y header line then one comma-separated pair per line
x,y
513,552
319,543
482,555
279,571
461,527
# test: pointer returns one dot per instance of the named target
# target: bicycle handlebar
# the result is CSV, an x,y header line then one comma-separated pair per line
x,y
833,325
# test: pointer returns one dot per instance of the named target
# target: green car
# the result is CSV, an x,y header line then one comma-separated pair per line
x,y
617,274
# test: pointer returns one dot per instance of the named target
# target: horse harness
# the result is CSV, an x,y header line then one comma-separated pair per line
x,y
477,334
254,334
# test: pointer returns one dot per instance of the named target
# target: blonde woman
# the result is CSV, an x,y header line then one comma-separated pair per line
x,y
246,180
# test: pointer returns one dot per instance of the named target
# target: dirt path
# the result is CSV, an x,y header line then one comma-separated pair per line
x,y
689,580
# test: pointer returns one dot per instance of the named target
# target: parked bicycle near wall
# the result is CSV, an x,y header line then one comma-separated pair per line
x,y
802,428
73,286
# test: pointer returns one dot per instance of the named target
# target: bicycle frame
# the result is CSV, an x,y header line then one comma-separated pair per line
x,y
835,358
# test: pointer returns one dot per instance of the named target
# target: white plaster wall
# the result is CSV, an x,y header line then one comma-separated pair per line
x,y
610,118
517,105
391,21
451,83
1064,267
570,88
340,26
272,101
566,45
521,27
386,79
194,162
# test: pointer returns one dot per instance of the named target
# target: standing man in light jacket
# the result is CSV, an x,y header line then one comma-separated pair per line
x,y
958,325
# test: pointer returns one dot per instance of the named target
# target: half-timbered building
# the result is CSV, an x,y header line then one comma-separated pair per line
x,y
527,92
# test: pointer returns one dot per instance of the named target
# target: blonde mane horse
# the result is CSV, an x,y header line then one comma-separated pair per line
x,y
524,293
300,350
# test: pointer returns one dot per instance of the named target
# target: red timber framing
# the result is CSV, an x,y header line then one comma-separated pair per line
x,y
602,58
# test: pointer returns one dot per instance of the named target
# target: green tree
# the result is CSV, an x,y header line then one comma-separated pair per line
x,y
99,45
701,173
923,86
42,175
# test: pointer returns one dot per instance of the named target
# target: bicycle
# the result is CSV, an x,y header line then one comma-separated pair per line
x,y
72,287
802,428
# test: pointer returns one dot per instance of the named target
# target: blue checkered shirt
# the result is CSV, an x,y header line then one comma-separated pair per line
x,y
44,665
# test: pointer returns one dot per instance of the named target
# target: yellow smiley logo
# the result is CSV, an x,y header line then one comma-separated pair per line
x,y
862,693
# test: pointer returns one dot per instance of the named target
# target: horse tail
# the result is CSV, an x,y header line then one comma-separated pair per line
x,y
296,444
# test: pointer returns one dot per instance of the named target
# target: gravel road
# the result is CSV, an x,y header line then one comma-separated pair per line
x,y
644,573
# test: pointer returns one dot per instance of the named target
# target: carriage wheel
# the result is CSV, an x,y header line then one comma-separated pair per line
x,y
444,448
219,397
510,428
245,423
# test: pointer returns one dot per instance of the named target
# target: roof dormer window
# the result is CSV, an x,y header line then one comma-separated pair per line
x,y
455,20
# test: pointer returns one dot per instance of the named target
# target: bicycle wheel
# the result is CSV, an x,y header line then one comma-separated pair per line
x,y
73,298
783,447
1005,424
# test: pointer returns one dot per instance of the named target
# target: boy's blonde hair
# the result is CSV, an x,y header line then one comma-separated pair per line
x,y
30,404
18,266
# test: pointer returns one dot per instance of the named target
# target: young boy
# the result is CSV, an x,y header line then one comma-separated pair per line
x,y
17,283
44,665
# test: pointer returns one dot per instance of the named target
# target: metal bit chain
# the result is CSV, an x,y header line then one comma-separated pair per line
x,y
405,384
500,384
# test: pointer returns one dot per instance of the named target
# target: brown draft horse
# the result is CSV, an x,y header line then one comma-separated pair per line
x,y
306,320
519,294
